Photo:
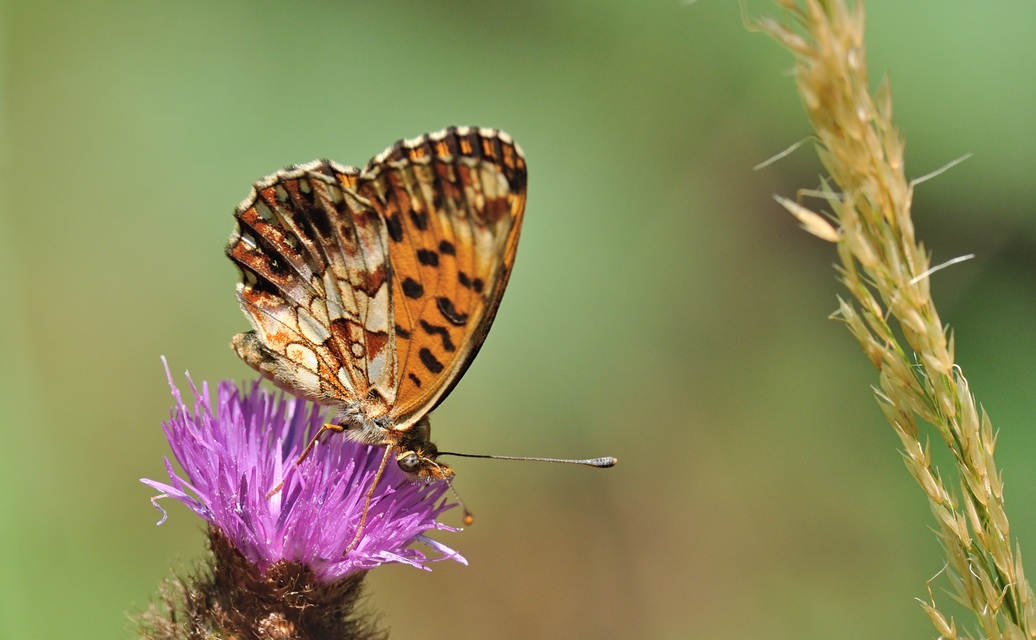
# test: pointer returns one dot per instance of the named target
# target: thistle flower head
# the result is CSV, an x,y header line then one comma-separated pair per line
x,y
234,456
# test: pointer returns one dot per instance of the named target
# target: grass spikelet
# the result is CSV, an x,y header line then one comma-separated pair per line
x,y
891,313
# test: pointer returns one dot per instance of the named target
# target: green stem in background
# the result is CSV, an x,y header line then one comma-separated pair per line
x,y
891,313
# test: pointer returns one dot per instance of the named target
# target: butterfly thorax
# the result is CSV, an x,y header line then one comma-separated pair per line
x,y
411,446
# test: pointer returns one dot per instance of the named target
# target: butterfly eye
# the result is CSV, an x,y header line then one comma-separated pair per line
x,y
409,462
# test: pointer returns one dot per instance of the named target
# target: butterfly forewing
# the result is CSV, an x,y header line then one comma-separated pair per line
x,y
379,286
453,204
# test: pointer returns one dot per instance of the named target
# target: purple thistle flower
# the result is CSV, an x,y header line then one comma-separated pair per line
x,y
233,457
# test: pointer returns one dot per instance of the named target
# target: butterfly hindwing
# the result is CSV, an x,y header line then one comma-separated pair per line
x,y
314,285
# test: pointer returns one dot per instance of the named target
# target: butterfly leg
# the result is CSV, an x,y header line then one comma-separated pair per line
x,y
337,428
367,502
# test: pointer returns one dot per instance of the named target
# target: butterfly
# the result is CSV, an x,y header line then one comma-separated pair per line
x,y
371,290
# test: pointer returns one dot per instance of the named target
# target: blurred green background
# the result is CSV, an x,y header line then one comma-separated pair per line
x,y
663,308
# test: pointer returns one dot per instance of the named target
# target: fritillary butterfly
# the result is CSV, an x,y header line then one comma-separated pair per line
x,y
371,290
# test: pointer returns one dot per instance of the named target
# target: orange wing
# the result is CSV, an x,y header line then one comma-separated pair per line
x,y
452,203
377,288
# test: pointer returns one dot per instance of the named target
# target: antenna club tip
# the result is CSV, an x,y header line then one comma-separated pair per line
x,y
606,462
468,520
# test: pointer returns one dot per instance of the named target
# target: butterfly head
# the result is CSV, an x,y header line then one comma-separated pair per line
x,y
416,454
420,462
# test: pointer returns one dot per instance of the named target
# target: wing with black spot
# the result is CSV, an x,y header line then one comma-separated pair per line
x,y
315,286
452,204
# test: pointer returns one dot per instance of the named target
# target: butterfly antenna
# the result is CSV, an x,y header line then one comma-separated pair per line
x,y
337,428
469,518
600,463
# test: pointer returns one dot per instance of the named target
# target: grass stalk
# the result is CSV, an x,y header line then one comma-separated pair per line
x,y
890,311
